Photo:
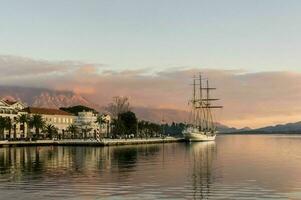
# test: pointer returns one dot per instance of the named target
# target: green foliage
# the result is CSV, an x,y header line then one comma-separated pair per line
x,y
51,130
174,129
149,129
129,121
73,130
118,128
76,109
2,126
125,124
37,122
8,123
100,120
23,119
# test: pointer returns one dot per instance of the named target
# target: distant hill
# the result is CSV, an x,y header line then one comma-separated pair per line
x,y
290,127
41,97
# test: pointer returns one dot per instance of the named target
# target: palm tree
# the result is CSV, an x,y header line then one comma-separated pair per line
x,y
15,127
23,119
2,126
8,125
73,130
37,122
51,130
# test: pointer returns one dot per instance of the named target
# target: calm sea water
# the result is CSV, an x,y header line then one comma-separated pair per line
x,y
233,167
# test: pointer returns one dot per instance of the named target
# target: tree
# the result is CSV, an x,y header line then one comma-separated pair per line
x,y
8,125
73,130
51,130
37,122
118,106
118,128
2,126
149,129
129,120
23,119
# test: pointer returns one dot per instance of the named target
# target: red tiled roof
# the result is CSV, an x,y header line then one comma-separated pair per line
x,y
45,111
10,102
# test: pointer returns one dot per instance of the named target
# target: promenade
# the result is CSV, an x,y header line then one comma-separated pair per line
x,y
90,142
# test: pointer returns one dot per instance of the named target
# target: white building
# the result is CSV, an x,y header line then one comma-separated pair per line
x,y
86,122
12,109
59,118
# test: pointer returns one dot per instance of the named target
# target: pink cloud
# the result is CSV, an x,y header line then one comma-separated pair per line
x,y
249,99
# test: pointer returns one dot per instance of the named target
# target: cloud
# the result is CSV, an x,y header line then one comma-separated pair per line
x,y
12,66
249,99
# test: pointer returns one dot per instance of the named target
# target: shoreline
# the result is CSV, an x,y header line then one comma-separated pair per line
x,y
81,142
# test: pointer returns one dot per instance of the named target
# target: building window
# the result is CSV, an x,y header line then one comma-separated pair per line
x,y
54,120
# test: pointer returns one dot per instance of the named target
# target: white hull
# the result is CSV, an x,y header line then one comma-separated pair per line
x,y
196,136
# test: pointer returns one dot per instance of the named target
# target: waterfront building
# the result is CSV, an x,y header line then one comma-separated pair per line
x,y
12,110
58,118
86,121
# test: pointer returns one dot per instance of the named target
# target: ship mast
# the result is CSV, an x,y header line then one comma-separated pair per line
x,y
201,105
194,102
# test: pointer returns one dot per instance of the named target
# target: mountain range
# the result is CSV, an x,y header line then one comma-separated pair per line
x,y
42,97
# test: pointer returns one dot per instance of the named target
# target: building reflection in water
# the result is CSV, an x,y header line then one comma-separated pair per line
x,y
263,166
81,171
62,160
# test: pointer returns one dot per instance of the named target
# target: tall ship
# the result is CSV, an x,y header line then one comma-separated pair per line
x,y
201,126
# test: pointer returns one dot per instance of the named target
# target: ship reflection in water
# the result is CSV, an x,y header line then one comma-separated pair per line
x,y
232,167
202,155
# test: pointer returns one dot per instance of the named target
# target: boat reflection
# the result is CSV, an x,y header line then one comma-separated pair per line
x,y
202,156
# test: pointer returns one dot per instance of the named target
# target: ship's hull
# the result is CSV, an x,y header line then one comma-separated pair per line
x,y
199,136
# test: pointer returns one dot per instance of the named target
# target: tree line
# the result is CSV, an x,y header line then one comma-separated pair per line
x,y
126,125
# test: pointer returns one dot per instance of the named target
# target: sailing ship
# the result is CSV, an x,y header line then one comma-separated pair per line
x,y
201,126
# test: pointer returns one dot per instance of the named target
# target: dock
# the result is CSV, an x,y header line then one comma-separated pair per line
x,y
90,142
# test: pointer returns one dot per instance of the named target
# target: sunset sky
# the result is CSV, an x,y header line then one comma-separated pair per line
x,y
149,50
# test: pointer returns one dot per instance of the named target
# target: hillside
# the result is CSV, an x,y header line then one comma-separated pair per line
x,y
289,127
41,97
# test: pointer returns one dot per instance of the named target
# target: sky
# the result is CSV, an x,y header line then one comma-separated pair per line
x,y
255,35
150,49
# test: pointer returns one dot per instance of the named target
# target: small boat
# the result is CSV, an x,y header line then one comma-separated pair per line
x,y
201,127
